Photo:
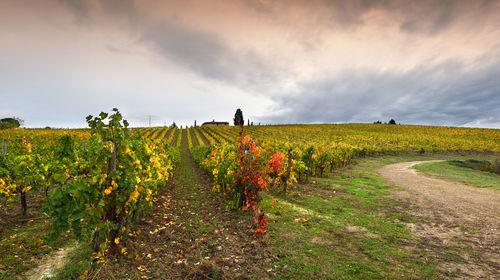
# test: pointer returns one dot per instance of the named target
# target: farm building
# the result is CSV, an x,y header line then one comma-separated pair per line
x,y
215,123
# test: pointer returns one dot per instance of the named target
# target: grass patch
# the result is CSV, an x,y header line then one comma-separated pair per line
x,y
462,171
348,227
17,246
77,261
22,244
345,227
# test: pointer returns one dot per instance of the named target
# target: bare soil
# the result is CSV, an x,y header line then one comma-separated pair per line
x,y
462,228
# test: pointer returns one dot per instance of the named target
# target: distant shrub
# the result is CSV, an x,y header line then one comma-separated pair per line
x,y
10,123
14,121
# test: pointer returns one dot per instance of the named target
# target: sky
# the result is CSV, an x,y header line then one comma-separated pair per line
x,y
429,62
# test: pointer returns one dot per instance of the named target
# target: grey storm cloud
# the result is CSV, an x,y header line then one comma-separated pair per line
x,y
209,55
444,94
431,17
201,51
81,9
206,53
423,16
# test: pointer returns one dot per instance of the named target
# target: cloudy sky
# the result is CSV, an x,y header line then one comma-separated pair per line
x,y
282,61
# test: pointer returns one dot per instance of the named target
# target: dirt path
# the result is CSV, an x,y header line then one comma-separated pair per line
x,y
49,264
461,215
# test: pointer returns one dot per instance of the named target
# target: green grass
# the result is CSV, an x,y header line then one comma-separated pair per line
x,y
17,244
77,261
348,227
22,243
345,227
462,171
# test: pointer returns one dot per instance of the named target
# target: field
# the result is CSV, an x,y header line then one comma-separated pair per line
x,y
259,202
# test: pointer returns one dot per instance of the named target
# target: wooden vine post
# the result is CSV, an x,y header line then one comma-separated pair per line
x,y
4,146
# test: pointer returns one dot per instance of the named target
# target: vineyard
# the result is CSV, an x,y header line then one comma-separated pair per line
x,y
105,186
321,149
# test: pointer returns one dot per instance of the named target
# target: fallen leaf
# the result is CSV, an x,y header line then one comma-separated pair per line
x,y
142,267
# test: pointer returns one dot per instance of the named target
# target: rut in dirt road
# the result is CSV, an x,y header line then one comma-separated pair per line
x,y
456,206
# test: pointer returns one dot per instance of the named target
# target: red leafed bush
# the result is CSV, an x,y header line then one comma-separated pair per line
x,y
254,164
239,172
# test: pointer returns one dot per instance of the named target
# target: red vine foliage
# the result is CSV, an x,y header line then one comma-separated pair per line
x,y
254,166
